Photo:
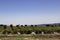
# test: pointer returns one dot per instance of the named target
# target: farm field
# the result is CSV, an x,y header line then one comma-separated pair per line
x,y
31,32
47,29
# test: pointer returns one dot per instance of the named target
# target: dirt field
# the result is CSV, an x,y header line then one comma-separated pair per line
x,y
30,37
14,38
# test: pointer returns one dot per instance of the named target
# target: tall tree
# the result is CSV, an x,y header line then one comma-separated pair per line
x,y
35,25
17,26
11,26
25,25
32,25
21,25
47,25
1,25
5,26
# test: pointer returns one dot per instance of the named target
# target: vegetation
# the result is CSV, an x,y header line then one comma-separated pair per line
x,y
28,29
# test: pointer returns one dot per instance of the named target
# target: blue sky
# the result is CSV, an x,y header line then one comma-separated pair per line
x,y
29,11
